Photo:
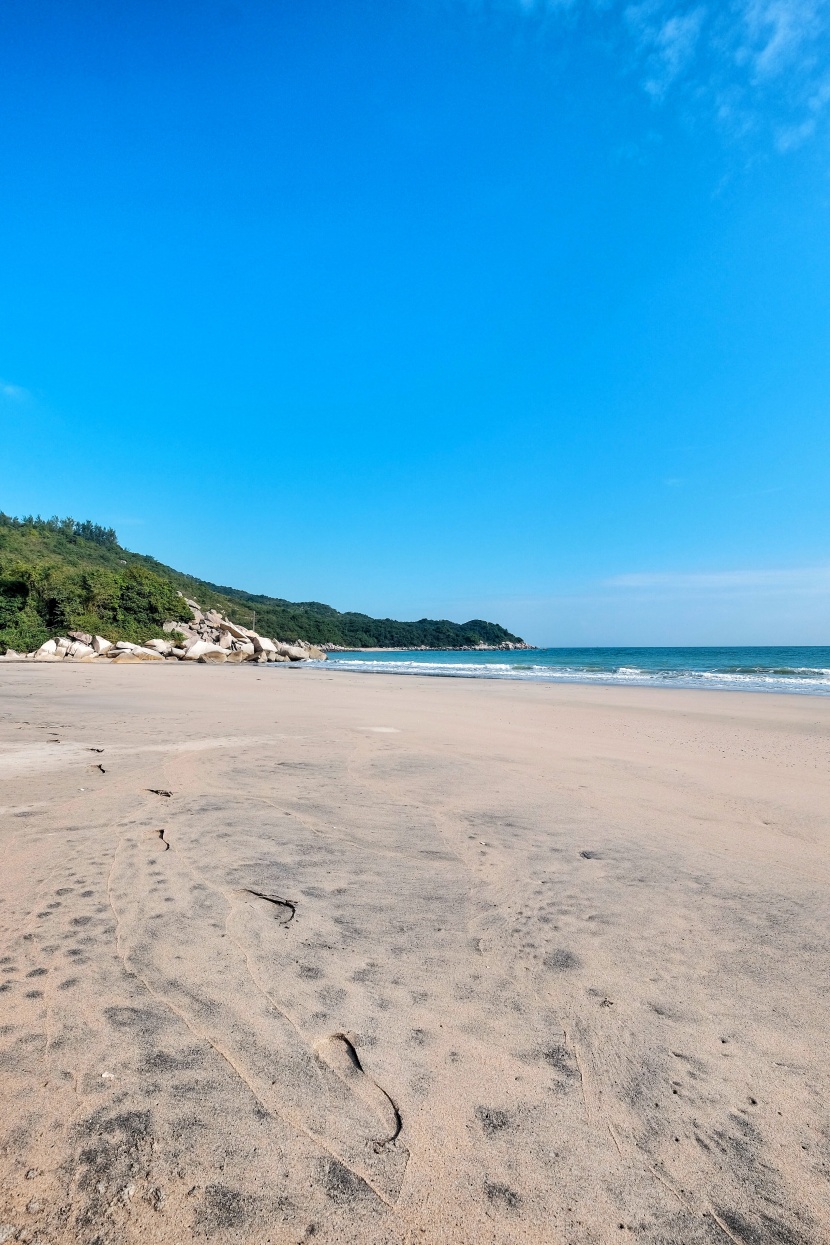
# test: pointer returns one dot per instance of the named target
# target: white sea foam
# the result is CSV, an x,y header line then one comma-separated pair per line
x,y
804,680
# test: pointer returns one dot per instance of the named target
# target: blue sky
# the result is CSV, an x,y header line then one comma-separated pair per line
x,y
431,307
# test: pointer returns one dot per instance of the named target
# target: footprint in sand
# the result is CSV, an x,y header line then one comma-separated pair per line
x,y
337,1051
280,910
224,983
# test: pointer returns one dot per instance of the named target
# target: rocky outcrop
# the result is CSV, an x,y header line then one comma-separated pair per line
x,y
508,646
211,628
209,638
504,647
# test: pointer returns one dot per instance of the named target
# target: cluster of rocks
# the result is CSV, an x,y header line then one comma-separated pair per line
x,y
506,645
211,629
209,638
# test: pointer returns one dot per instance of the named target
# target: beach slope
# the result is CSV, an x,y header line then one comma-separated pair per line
x,y
292,955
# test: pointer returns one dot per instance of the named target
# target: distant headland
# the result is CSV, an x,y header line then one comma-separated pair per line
x,y
59,577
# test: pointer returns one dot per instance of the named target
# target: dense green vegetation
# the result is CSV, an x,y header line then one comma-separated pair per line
x,y
57,575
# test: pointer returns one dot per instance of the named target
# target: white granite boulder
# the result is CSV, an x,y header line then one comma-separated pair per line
x,y
238,633
161,646
293,652
262,644
137,651
101,645
78,649
198,648
174,624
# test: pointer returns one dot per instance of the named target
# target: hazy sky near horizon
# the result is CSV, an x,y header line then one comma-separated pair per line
x,y
431,307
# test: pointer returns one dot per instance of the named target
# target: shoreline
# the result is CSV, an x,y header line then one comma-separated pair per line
x,y
550,676
537,679
566,682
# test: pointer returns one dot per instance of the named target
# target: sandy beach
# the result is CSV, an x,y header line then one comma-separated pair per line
x,y
295,954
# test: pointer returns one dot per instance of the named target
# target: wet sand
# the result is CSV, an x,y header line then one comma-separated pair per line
x,y
405,959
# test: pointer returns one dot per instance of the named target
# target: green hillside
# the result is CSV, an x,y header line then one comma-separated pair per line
x,y
57,575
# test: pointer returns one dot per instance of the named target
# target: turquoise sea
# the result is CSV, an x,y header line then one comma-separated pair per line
x,y
801,670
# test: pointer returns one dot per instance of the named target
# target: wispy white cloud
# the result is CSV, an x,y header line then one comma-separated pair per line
x,y
669,42
756,66
799,579
13,393
780,34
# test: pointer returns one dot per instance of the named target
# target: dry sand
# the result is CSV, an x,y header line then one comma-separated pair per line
x,y
406,959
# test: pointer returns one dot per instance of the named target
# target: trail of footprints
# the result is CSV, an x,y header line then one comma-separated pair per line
x,y
172,928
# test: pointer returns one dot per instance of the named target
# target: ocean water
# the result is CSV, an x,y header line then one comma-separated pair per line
x,y
801,670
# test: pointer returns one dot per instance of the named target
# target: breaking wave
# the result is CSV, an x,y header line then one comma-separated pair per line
x,y
794,670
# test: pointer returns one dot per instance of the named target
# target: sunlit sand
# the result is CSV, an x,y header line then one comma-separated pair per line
x,y
403,959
